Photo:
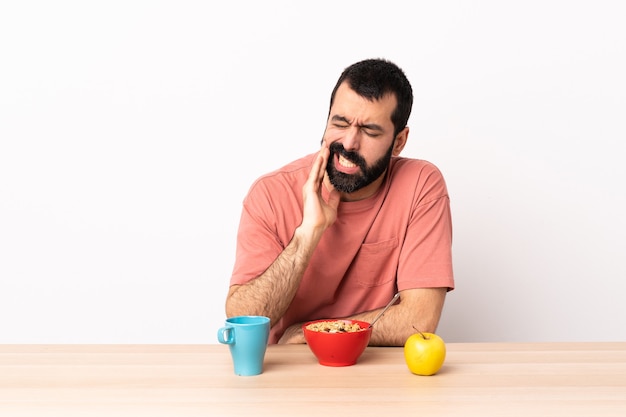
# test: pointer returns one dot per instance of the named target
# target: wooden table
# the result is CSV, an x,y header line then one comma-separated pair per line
x,y
486,379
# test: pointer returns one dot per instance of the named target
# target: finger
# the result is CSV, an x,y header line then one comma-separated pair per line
x,y
324,153
317,172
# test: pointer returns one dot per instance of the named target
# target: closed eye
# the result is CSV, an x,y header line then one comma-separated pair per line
x,y
372,133
340,121
372,130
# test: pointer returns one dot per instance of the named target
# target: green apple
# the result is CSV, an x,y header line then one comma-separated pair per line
x,y
424,353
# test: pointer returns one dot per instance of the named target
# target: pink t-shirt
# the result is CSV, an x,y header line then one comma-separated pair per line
x,y
398,239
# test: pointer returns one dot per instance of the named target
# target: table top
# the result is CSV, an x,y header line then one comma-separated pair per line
x,y
487,379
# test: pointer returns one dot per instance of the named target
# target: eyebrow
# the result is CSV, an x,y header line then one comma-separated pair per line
x,y
369,126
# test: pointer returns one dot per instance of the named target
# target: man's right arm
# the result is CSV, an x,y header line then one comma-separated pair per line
x,y
271,293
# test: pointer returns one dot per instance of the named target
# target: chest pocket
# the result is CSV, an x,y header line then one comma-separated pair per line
x,y
376,263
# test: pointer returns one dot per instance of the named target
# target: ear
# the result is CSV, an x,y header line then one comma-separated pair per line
x,y
400,141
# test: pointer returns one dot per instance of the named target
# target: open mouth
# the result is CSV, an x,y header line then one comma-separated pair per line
x,y
345,163
342,164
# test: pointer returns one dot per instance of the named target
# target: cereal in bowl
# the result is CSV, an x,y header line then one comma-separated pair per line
x,y
335,326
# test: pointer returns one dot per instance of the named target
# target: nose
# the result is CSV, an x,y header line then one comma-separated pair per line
x,y
351,139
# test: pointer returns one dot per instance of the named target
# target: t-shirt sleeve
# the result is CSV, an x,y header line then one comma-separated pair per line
x,y
258,244
426,256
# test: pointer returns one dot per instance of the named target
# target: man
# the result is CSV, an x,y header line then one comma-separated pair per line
x,y
336,234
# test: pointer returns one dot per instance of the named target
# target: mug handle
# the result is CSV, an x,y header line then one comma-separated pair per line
x,y
229,339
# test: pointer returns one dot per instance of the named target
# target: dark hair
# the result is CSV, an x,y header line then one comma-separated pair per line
x,y
372,79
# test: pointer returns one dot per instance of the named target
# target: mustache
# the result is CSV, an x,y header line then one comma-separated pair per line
x,y
354,157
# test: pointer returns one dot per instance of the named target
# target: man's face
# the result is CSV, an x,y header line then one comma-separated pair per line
x,y
359,134
363,176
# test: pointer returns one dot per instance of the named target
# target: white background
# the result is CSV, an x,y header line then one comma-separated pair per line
x,y
131,130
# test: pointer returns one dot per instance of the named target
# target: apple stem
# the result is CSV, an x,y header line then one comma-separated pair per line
x,y
421,334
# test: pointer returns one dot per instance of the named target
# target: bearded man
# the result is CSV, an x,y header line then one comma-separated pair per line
x,y
338,233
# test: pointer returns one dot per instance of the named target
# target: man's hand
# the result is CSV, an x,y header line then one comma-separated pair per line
x,y
318,214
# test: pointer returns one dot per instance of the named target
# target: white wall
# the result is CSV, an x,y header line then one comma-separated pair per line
x,y
131,130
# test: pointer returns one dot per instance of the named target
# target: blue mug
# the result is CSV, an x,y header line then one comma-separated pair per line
x,y
247,338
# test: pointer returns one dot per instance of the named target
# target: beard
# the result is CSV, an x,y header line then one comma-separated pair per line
x,y
349,183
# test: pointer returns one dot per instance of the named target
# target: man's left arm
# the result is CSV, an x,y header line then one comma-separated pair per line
x,y
419,309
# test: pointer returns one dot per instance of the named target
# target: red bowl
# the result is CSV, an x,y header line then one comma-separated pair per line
x,y
338,349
